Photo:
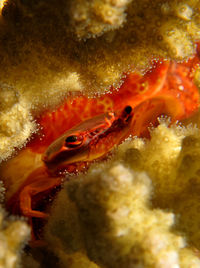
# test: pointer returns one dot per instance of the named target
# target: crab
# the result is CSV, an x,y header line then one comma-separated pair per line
x,y
86,129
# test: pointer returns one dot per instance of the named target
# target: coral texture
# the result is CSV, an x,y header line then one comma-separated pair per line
x,y
14,234
53,59
16,121
43,59
171,158
161,29
115,215
107,213
1,4
95,17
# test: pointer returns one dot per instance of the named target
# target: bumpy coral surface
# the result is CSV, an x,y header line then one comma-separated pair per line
x,y
38,41
1,4
94,64
16,121
171,158
94,18
42,58
14,234
108,214
58,48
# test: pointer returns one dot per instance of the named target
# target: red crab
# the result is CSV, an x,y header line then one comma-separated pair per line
x,y
82,130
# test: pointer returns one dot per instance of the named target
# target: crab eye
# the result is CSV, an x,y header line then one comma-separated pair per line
x,y
72,138
126,115
128,109
73,141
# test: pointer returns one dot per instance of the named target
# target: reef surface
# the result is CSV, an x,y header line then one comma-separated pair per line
x,y
51,49
142,205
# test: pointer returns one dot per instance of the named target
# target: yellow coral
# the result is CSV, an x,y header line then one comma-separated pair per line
x,y
109,216
42,59
159,156
13,236
1,3
95,17
171,158
197,77
70,250
51,56
16,121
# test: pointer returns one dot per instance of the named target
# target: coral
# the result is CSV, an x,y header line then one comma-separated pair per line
x,y
69,246
43,59
16,121
188,180
48,53
108,214
197,77
159,156
94,18
14,234
53,59
1,4
171,158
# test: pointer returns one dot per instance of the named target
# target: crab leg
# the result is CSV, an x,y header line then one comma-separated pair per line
x,y
41,185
